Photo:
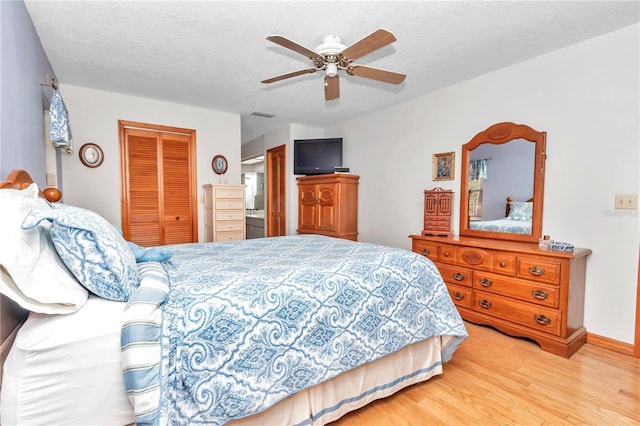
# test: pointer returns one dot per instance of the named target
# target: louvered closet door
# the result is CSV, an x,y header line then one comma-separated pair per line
x,y
159,196
177,197
145,227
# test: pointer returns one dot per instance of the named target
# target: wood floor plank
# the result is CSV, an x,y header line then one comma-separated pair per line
x,y
494,379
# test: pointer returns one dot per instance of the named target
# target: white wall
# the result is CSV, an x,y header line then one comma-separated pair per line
x,y
94,115
586,97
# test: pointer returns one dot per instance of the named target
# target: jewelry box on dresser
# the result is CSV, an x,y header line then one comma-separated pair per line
x,y
496,271
438,205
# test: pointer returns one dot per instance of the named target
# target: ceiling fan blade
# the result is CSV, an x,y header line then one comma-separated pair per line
x,y
376,74
331,88
285,42
289,75
373,41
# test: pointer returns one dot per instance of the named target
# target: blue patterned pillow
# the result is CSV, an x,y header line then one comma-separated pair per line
x,y
92,250
521,210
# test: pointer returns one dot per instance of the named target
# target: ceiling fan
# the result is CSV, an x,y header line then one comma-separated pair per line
x,y
332,56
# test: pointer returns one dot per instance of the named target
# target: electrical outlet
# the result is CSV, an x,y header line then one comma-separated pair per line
x,y
627,201
202,199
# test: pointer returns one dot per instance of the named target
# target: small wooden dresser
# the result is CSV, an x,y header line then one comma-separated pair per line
x,y
516,287
438,204
224,212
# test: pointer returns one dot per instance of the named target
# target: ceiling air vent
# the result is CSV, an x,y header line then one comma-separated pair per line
x,y
263,114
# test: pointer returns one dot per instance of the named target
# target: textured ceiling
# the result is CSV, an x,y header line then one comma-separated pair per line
x,y
213,54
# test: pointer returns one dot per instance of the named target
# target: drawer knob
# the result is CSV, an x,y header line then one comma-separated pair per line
x,y
485,304
177,217
536,270
542,320
539,294
486,282
425,252
445,254
503,264
458,276
458,296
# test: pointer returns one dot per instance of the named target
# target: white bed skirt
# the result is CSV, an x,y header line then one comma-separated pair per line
x,y
65,369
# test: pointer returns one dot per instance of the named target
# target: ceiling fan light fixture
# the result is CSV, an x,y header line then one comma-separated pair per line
x,y
332,69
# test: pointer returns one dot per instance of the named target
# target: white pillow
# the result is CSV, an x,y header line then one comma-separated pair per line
x,y
35,277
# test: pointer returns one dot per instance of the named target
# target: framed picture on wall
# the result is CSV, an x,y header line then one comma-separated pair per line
x,y
443,166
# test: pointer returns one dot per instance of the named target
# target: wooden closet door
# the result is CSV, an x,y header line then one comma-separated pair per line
x,y
177,214
141,219
158,185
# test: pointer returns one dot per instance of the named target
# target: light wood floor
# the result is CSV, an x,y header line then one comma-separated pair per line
x,y
494,379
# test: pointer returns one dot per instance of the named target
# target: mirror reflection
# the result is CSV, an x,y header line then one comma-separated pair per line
x,y
501,177
502,184
254,192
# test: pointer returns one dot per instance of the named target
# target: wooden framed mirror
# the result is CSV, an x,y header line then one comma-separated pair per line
x,y
504,162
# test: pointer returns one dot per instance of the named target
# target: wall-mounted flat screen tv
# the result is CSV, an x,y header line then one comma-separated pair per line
x,y
316,156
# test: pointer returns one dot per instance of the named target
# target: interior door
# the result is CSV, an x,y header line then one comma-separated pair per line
x,y
276,191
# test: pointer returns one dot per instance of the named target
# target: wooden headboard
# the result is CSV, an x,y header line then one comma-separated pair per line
x,y
11,315
508,206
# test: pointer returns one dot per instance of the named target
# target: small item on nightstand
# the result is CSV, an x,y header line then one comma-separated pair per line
x,y
560,246
544,241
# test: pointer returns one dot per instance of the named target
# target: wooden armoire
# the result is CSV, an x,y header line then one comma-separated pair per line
x,y
328,205
159,196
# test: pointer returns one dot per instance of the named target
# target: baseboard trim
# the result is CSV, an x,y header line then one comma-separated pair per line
x,y
611,344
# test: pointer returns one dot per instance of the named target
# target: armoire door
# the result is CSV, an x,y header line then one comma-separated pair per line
x,y
158,184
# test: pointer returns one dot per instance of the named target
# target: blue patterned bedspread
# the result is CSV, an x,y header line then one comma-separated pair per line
x,y
502,225
247,323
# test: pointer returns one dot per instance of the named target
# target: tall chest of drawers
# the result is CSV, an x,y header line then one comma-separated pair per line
x,y
517,288
224,212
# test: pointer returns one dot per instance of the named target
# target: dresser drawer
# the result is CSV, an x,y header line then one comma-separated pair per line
x,y
504,263
546,271
229,193
541,294
229,236
230,204
475,258
461,296
527,314
425,248
447,254
230,225
229,214
456,274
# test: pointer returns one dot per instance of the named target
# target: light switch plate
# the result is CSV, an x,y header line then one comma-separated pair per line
x,y
627,201
51,179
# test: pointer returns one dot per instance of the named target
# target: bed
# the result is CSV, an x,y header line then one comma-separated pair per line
x,y
517,220
290,330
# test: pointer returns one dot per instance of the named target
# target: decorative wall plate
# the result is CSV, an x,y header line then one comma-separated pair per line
x,y
91,155
219,164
